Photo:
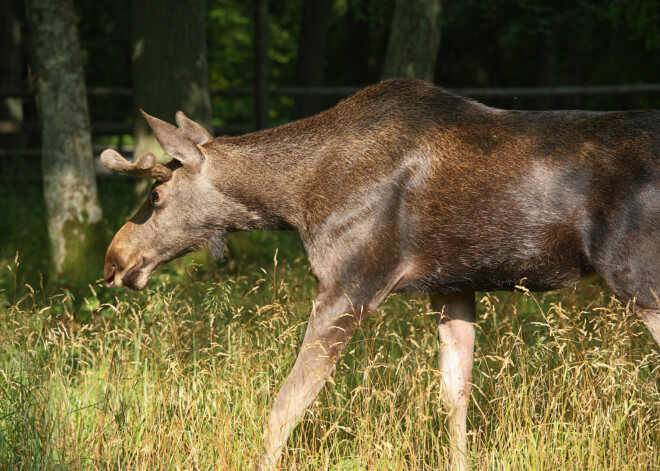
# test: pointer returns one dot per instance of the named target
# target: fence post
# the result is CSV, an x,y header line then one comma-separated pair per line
x,y
261,93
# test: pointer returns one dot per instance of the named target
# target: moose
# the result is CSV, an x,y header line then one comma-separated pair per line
x,y
407,187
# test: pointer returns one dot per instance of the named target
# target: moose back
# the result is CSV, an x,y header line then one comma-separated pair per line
x,y
406,187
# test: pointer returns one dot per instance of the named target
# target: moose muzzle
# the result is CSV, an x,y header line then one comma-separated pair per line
x,y
118,271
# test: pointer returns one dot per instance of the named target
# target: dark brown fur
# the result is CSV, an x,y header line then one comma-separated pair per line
x,y
468,196
407,187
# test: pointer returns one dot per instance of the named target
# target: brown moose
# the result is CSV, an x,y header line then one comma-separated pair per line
x,y
406,187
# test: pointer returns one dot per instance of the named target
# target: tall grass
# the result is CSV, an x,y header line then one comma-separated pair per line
x,y
181,376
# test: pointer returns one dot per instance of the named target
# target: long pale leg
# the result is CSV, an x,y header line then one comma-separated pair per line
x,y
330,328
456,331
652,319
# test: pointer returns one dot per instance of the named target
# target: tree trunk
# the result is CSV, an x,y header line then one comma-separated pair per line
x,y
11,65
414,39
261,65
310,67
72,203
357,47
170,71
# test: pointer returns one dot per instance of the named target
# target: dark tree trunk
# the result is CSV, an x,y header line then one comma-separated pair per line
x,y
72,203
357,48
414,39
261,64
170,71
11,67
310,68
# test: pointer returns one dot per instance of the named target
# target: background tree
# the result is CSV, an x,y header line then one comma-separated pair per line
x,y
11,108
357,42
414,39
170,70
72,203
310,66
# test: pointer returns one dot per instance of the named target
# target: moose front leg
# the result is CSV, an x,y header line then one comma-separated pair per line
x,y
331,324
456,329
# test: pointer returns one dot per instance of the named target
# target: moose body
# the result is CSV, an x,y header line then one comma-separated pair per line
x,y
406,187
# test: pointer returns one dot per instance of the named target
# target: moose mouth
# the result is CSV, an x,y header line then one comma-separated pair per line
x,y
132,276
130,279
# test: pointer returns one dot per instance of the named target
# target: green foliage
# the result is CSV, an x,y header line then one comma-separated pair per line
x,y
506,43
229,28
643,20
104,28
484,43
24,230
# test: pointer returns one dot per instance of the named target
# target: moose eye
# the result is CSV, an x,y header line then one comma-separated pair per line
x,y
155,197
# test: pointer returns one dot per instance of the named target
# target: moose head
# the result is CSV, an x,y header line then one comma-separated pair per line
x,y
183,213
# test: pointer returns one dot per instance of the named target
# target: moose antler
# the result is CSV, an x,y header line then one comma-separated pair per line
x,y
144,167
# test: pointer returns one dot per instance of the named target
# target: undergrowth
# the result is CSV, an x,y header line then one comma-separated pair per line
x,y
181,376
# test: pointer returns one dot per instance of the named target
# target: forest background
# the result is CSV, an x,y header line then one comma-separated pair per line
x,y
181,375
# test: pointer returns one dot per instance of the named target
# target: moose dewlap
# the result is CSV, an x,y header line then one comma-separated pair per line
x,y
406,187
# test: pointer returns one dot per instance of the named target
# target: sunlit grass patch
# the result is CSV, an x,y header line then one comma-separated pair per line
x,y
182,376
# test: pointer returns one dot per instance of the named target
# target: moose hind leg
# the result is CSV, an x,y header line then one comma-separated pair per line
x,y
330,327
652,319
456,330
628,259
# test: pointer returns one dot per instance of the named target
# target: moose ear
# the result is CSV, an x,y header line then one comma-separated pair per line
x,y
175,142
192,130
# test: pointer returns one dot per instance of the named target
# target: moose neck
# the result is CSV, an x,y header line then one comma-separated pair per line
x,y
264,171
350,157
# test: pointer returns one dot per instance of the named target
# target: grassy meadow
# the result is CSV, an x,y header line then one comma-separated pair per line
x,y
181,376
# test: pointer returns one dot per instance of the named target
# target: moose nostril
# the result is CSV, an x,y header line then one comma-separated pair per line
x,y
109,277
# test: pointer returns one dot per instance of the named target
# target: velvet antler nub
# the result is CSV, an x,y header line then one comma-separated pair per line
x,y
144,167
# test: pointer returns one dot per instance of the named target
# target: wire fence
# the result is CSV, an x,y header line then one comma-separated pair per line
x,y
8,127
